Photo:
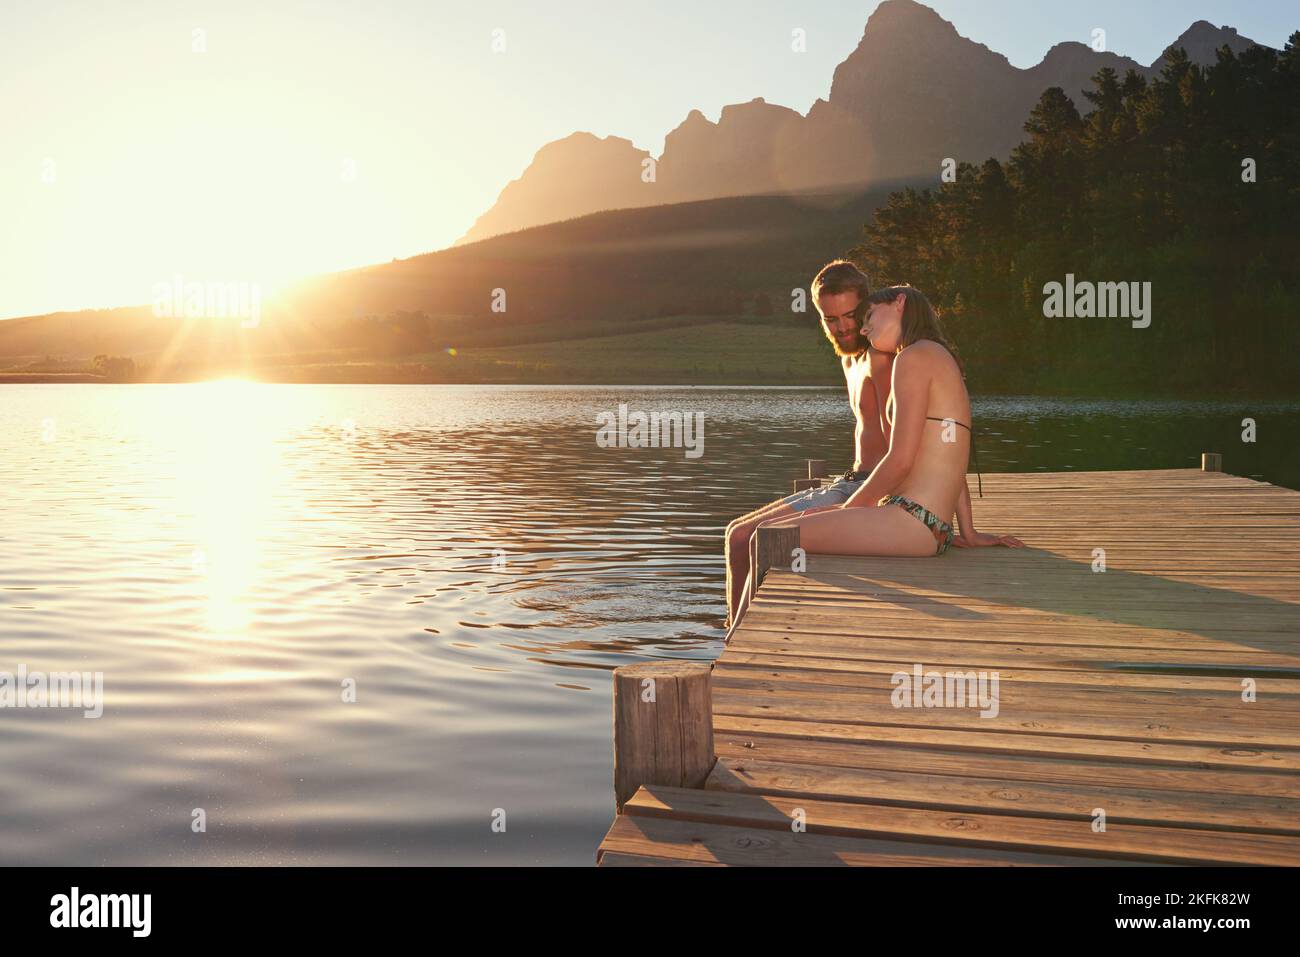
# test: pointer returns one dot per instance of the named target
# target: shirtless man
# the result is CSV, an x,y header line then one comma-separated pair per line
x,y
839,292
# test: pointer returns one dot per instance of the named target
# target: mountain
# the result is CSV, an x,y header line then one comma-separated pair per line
x,y
1202,41
579,174
913,93
743,153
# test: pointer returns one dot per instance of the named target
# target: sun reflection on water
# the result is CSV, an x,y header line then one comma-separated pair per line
x,y
229,475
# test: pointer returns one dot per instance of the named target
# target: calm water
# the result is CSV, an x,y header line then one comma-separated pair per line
x,y
230,555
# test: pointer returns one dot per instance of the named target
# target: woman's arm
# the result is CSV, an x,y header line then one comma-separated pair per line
x,y
911,390
968,537
965,520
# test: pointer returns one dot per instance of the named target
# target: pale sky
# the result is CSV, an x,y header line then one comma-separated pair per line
x,y
261,140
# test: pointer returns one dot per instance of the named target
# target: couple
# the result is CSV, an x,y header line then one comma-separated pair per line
x,y
911,444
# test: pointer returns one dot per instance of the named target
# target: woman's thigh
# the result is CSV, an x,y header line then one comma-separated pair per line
x,y
770,510
871,530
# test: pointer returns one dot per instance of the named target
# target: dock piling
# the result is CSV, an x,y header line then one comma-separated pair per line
x,y
663,726
775,549
771,547
1211,462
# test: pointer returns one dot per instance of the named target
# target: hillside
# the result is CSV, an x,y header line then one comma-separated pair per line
x,y
648,270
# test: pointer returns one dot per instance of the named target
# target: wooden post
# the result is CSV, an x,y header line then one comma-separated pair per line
x,y
803,485
816,468
775,546
663,725
1211,462
769,547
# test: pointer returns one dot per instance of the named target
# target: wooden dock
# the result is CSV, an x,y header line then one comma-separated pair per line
x,y
1147,713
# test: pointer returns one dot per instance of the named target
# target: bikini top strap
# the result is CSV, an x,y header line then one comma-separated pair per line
x,y
973,450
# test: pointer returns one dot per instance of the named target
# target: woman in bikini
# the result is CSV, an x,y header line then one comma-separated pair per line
x,y
905,507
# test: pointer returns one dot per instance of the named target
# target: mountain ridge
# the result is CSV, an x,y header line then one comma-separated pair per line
x,y
911,70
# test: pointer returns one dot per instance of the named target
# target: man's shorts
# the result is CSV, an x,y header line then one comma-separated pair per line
x,y
836,493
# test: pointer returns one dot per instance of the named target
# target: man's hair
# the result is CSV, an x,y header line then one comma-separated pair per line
x,y
840,276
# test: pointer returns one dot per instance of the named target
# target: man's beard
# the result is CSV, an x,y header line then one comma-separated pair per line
x,y
857,346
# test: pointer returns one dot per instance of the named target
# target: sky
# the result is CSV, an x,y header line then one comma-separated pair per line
x,y
263,140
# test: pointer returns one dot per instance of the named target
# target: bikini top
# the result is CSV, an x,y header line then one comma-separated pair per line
x,y
973,452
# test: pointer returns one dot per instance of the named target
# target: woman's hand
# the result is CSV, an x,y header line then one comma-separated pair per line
x,y
978,539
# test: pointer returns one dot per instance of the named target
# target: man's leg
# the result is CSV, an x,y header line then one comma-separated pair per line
x,y
736,547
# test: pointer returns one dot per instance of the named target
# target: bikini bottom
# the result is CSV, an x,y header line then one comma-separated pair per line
x,y
942,530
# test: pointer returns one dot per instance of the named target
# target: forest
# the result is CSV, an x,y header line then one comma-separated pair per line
x,y
1187,182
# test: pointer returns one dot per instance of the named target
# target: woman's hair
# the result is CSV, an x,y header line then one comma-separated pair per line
x,y
920,321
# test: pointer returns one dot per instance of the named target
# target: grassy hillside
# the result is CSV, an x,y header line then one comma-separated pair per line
x,y
569,287
710,350
668,351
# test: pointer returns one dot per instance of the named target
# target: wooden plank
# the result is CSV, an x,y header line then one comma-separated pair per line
x,y
1170,754
616,859
780,665
1079,585
1207,727
1023,653
853,628
1183,612
1010,796
695,842
1276,711
1168,845
1075,769
1019,587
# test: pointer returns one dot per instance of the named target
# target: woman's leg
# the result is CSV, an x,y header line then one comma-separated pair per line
x,y
882,531
885,531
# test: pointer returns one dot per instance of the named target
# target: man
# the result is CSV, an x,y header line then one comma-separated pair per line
x,y
839,292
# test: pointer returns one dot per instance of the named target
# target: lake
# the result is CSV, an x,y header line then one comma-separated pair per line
x,y
364,624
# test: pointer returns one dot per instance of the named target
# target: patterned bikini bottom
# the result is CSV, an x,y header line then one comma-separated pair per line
x,y
942,530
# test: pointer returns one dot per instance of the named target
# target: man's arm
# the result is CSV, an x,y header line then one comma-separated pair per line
x,y
881,378
846,363
871,442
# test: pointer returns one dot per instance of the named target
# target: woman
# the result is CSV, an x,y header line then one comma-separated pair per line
x,y
905,507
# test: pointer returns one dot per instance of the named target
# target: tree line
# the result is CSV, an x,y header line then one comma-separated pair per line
x,y
1187,181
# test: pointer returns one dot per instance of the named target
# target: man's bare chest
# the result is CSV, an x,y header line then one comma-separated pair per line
x,y
862,391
